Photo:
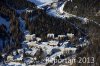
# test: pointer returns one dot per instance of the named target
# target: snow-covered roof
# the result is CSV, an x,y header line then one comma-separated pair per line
x,y
32,53
33,43
44,43
61,35
10,58
52,42
38,39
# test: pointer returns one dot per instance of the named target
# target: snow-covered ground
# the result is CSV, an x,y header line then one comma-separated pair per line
x,y
56,11
30,48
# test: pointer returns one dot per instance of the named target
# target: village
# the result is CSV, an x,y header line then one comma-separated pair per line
x,y
36,51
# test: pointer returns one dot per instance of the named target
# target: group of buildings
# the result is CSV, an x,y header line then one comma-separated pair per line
x,y
52,48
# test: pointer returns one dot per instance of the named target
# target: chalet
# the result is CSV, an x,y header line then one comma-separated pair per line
x,y
70,35
50,35
61,36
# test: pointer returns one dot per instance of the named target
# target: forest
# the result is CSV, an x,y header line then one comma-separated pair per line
x,y
84,8
89,9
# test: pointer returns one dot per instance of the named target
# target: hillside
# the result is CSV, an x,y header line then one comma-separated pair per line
x,y
43,17
89,9
84,8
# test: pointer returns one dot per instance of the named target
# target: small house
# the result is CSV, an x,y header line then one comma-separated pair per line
x,y
30,37
29,10
70,35
61,36
50,35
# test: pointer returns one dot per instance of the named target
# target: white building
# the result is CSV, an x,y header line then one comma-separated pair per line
x,y
50,35
10,58
30,37
32,44
70,35
38,39
29,10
